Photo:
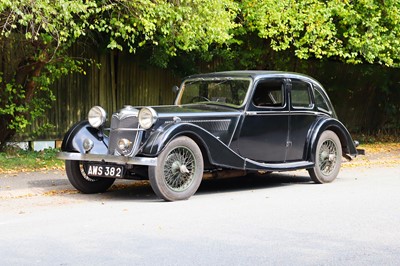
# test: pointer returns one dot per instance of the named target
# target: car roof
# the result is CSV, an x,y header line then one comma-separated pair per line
x,y
254,74
248,73
259,74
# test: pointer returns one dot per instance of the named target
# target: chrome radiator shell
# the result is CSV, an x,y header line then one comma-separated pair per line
x,y
125,125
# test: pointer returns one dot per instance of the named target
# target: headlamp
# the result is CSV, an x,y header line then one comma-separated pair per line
x,y
147,117
97,116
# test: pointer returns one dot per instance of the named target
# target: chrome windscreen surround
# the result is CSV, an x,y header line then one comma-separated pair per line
x,y
125,125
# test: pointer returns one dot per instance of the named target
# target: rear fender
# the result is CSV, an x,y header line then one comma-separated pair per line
x,y
73,139
217,152
348,146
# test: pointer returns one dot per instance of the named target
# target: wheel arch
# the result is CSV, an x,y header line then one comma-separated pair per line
x,y
214,151
334,125
202,145
73,139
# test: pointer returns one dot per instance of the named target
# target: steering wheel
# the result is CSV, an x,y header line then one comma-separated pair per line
x,y
194,99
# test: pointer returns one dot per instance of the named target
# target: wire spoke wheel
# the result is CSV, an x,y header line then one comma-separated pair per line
x,y
328,158
84,175
179,170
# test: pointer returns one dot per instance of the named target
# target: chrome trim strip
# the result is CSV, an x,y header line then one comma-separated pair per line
x,y
253,113
199,121
280,166
136,143
125,129
292,113
233,132
73,156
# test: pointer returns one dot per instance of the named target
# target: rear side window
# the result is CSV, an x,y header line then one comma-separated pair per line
x,y
301,94
321,102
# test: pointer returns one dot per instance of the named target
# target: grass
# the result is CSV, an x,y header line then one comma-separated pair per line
x,y
16,160
378,137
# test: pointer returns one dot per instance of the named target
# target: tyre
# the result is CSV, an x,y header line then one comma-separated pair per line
x,y
179,170
85,184
328,158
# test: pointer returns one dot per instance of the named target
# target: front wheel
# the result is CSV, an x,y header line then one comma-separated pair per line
x,y
328,158
179,170
85,184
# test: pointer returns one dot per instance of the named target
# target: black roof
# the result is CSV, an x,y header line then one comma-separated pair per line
x,y
254,74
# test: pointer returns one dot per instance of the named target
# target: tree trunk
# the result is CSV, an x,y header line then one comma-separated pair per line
x,y
5,133
24,76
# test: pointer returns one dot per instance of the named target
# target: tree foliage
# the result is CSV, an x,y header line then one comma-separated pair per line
x,y
35,37
166,27
350,31
173,25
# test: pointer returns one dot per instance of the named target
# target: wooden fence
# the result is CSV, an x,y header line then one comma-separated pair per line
x,y
366,97
122,79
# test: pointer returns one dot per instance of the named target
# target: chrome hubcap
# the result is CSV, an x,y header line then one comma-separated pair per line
x,y
179,169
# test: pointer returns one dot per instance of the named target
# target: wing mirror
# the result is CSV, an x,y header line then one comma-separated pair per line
x,y
175,89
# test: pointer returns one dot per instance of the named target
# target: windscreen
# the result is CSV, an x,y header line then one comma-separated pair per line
x,y
217,91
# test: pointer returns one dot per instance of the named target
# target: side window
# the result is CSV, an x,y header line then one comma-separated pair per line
x,y
269,93
301,94
320,101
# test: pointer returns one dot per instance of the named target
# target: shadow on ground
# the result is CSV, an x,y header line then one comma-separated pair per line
x,y
141,190
53,185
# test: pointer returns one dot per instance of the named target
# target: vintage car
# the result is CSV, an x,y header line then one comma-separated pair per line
x,y
244,121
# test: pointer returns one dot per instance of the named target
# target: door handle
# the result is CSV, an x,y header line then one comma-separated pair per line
x,y
251,113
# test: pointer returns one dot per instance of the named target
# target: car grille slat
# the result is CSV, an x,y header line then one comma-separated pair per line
x,y
124,127
214,126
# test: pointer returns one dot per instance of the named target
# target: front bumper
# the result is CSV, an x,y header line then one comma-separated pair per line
x,y
106,158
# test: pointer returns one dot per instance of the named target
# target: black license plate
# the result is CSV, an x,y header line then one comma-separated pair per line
x,y
96,170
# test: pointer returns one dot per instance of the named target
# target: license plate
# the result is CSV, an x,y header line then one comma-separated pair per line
x,y
96,170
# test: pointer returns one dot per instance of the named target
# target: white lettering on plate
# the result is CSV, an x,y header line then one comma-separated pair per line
x,y
95,170
100,170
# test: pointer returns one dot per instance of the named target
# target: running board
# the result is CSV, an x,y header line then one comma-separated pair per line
x,y
253,165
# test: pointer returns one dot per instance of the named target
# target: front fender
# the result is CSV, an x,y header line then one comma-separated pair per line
x,y
73,139
348,147
218,153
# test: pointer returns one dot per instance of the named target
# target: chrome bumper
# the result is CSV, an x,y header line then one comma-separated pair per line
x,y
107,158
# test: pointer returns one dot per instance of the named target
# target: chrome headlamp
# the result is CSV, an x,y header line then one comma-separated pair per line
x,y
87,144
124,145
97,116
147,117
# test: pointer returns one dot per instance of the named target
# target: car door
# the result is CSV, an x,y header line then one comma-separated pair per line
x,y
302,116
263,134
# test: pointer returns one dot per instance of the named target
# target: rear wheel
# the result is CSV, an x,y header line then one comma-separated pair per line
x,y
328,158
85,184
179,170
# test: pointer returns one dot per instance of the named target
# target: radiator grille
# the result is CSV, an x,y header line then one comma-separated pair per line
x,y
124,126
